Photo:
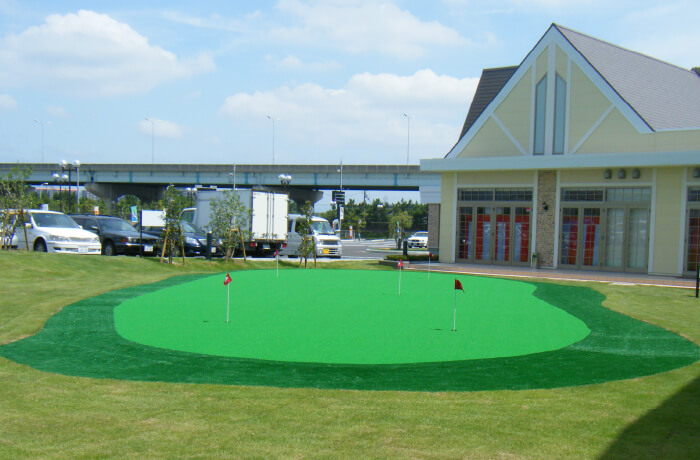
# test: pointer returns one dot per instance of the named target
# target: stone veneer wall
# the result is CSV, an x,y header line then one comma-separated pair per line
x,y
433,227
546,193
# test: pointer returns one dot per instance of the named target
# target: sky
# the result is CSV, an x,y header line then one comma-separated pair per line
x,y
305,81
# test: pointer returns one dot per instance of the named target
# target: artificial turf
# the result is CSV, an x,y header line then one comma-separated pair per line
x,y
349,317
82,340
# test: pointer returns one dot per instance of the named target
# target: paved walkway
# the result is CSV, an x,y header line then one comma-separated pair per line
x,y
546,273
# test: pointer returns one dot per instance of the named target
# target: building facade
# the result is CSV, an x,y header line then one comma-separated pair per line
x,y
585,156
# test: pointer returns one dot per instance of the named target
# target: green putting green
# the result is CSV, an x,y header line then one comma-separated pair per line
x,y
348,317
82,339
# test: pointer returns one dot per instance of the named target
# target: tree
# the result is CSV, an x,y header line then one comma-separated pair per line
x,y
229,222
398,223
124,204
14,195
173,203
308,244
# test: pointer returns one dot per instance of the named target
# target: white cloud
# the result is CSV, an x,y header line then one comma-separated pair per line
x,y
294,63
361,27
90,54
7,102
57,112
161,128
366,113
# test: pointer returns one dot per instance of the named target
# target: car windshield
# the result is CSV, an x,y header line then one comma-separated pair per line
x,y
154,230
190,228
322,227
420,234
46,219
116,225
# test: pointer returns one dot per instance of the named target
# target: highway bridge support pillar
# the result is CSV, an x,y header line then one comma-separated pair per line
x,y
112,192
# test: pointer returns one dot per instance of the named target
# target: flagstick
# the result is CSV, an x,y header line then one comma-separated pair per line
x,y
400,270
277,262
454,317
228,289
429,257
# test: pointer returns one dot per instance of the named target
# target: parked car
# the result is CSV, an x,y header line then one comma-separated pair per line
x,y
9,239
327,242
195,239
50,231
418,240
118,236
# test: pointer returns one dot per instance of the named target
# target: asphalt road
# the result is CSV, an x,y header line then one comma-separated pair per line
x,y
368,249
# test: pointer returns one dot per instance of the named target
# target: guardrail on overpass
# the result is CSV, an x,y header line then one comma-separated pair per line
x,y
116,179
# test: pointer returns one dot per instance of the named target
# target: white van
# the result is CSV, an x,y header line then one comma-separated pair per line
x,y
49,231
327,243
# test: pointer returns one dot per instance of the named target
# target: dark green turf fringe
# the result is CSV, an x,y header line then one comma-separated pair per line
x,y
81,341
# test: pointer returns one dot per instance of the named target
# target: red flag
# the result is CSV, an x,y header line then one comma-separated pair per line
x,y
430,255
277,252
227,279
458,285
400,264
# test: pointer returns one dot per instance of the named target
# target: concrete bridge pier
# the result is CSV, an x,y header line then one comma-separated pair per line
x,y
111,192
301,195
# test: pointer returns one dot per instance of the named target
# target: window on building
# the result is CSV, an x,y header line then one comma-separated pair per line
x,y
694,194
540,110
559,115
629,195
582,194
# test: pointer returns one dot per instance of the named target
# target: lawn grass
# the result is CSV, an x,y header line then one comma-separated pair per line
x,y
48,415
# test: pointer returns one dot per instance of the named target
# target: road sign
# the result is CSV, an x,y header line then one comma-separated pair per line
x,y
339,197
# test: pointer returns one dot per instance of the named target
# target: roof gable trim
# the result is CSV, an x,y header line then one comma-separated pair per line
x,y
553,35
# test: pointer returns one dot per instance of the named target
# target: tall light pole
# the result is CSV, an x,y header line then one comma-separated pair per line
x,y
60,179
273,138
408,137
42,136
153,131
64,165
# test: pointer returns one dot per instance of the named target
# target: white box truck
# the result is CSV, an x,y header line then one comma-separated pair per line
x,y
268,222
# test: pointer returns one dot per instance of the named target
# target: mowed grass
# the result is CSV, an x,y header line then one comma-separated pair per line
x,y
46,415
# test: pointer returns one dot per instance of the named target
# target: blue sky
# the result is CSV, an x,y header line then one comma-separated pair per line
x,y
336,75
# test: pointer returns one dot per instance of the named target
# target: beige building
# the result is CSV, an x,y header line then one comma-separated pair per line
x,y
585,156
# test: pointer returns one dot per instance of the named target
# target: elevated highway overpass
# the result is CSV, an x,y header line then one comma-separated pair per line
x,y
147,181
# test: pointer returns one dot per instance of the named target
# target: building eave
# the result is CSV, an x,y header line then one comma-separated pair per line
x,y
596,160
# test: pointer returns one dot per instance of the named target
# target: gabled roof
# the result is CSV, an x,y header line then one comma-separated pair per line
x,y
490,83
660,96
664,95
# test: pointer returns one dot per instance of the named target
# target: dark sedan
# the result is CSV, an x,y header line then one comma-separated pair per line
x,y
118,236
195,239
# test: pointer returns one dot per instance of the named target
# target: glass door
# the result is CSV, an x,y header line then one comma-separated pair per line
x,y
521,242
569,236
637,239
614,233
502,234
591,237
493,234
693,241
466,232
483,233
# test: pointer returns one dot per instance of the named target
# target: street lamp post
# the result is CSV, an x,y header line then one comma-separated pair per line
x,y
273,137
285,179
70,167
60,179
153,131
408,137
41,123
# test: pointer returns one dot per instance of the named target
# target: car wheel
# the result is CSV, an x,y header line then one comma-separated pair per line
x,y
108,249
40,246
